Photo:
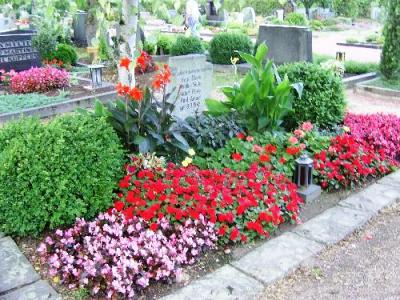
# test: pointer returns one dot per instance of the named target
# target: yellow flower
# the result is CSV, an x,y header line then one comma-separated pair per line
x,y
56,279
346,129
185,163
189,160
191,152
234,60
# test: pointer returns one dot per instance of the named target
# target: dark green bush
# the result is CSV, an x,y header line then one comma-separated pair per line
x,y
164,44
225,45
186,45
66,54
355,67
296,19
213,131
45,43
53,173
322,102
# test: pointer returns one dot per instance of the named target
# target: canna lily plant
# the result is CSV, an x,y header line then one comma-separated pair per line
x,y
262,99
143,117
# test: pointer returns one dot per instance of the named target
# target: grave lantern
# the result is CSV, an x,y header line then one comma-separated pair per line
x,y
341,56
303,179
96,74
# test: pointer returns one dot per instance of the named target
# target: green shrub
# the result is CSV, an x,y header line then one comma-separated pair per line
x,y
346,8
149,48
45,43
296,19
213,131
187,45
262,99
105,52
164,44
316,25
225,45
319,58
352,40
355,67
322,102
53,173
390,59
66,54
264,7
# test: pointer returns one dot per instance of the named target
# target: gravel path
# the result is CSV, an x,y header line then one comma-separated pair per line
x,y
364,266
362,103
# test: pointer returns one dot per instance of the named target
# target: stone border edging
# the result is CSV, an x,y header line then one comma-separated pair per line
x,y
354,80
386,92
246,278
361,45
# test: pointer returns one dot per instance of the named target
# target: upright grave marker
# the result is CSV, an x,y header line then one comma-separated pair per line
x,y
192,80
16,51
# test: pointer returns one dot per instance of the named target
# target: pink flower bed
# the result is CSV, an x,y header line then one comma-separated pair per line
x,y
39,80
381,131
115,257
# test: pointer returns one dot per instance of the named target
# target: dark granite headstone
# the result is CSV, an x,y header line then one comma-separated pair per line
x,y
16,51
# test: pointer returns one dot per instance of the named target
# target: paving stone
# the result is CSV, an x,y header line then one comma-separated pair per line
x,y
226,283
39,290
373,199
392,179
15,270
333,224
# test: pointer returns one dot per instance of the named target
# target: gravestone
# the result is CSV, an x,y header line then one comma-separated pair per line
x,y
192,81
249,16
286,43
16,51
215,14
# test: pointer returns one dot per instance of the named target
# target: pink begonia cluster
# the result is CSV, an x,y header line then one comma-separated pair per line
x,y
39,80
115,257
381,131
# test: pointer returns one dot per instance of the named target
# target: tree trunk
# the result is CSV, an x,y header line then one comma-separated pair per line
x,y
130,12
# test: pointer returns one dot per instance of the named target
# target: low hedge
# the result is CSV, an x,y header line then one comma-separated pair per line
x,y
322,102
187,45
225,45
53,173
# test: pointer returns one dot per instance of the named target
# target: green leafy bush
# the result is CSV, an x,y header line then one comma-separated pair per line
x,y
45,42
149,48
322,103
355,67
187,45
346,8
296,19
213,131
264,8
66,54
226,45
164,44
53,173
261,99
390,59
316,25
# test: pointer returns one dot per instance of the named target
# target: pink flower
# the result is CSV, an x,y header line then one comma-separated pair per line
x,y
299,133
249,138
307,126
257,149
293,140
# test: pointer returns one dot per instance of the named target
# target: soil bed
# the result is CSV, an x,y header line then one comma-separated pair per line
x,y
209,262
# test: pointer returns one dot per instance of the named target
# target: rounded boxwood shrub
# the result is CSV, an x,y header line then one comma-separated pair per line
x,y
187,45
322,102
66,54
53,173
224,46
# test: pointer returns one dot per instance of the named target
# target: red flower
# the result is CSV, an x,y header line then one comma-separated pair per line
x,y
237,157
234,234
119,205
240,135
270,148
136,94
122,89
282,160
264,158
153,226
125,62
162,79
293,150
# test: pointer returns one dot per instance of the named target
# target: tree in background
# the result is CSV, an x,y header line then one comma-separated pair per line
x,y
390,59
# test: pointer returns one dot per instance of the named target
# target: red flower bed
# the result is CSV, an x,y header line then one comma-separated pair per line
x,y
349,162
243,205
381,131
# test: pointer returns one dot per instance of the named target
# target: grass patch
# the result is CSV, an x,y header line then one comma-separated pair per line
x,y
16,102
387,84
224,79
352,67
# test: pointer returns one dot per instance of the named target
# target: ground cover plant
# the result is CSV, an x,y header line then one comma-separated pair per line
x,y
38,80
17,102
53,173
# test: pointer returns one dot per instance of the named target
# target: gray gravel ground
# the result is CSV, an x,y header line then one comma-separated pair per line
x,y
364,266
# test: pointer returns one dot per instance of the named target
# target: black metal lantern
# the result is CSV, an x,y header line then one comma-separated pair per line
x,y
303,178
96,74
341,56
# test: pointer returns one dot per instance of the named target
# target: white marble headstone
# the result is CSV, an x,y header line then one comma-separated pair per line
x,y
192,80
